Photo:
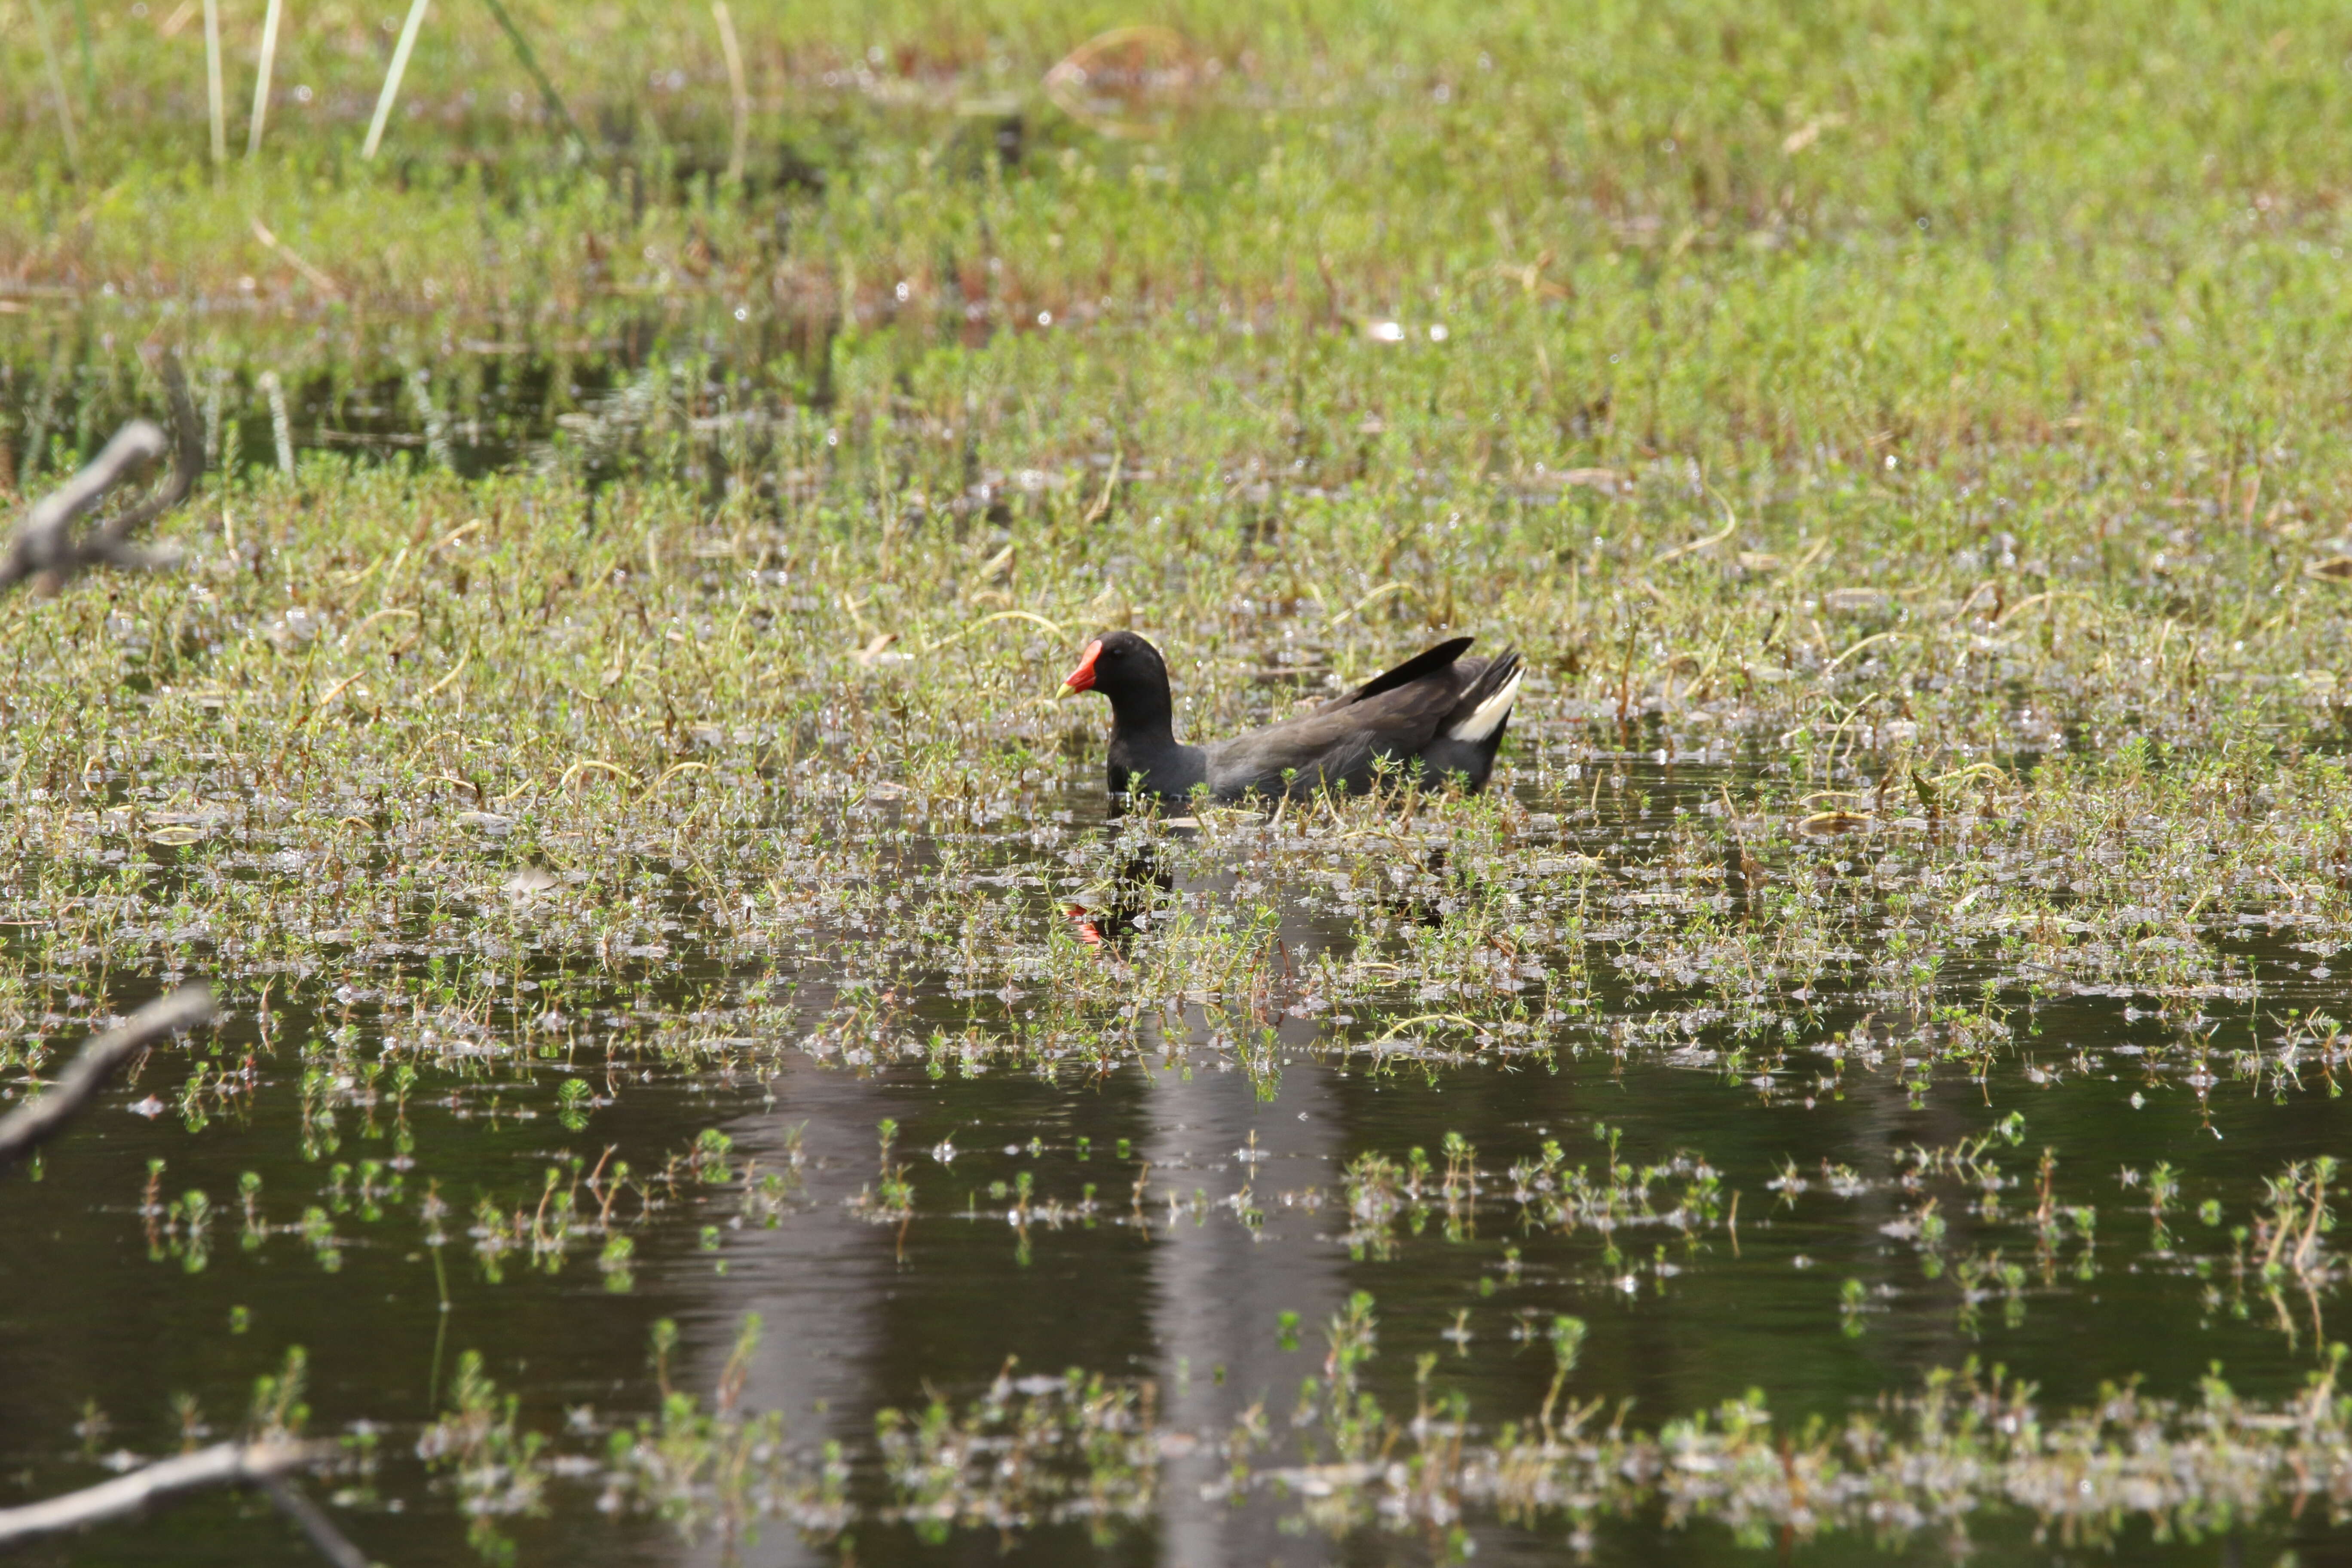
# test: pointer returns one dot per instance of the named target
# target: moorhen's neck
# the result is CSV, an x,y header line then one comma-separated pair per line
x,y
1143,713
1144,751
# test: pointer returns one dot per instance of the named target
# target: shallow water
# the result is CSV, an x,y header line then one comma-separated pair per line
x,y
1179,1206
691,391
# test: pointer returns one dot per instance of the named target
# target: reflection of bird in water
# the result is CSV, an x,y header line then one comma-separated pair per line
x,y
1136,886
1439,715
1141,881
1421,909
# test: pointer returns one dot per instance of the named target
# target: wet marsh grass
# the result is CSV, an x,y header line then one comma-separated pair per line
x,y
479,846
487,885
1933,584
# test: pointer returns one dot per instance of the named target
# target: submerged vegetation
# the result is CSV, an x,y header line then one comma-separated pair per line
x,y
1871,1051
1938,1460
1965,1448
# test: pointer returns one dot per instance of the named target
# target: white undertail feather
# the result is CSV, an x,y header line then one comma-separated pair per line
x,y
1488,716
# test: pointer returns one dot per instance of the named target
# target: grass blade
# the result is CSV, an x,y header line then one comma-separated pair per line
x,y
391,92
58,87
215,99
737,87
261,82
547,92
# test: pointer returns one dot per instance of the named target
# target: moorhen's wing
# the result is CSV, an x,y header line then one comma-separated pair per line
x,y
1337,745
1438,660
1419,667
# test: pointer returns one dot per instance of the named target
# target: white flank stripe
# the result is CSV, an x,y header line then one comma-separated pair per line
x,y
1488,716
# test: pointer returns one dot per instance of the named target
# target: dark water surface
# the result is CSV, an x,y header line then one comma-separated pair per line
x,y
1217,1205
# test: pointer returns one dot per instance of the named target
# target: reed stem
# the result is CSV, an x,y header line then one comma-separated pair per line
x,y
391,92
58,87
739,89
215,99
261,82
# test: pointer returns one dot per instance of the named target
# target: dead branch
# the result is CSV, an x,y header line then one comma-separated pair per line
x,y
332,1543
46,549
39,1120
222,1464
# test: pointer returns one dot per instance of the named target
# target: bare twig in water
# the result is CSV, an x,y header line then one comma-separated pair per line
x,y
44,549
222,1464
38,1120
332,1543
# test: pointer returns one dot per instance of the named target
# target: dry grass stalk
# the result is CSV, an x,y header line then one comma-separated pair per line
x,y
392,76
215,99
56,86
738,90
1109,82
261,80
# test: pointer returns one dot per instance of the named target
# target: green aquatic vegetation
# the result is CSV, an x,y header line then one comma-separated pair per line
x,y
1543,1196
278,1409
1984,1276
248,1191
614,1262
183,1233
1031,1451
1337,1406
1965,1447
892,1196
723,1469
1370,1185
1554,1198
1854,1300
2297,1215
318,1232
498,1470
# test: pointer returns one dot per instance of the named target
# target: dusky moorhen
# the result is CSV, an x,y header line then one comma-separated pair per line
x,y
1435,716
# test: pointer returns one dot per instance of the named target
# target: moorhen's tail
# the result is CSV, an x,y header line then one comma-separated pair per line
x,y
1466,743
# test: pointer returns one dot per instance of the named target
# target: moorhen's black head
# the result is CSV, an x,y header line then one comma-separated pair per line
x,y
1125,669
